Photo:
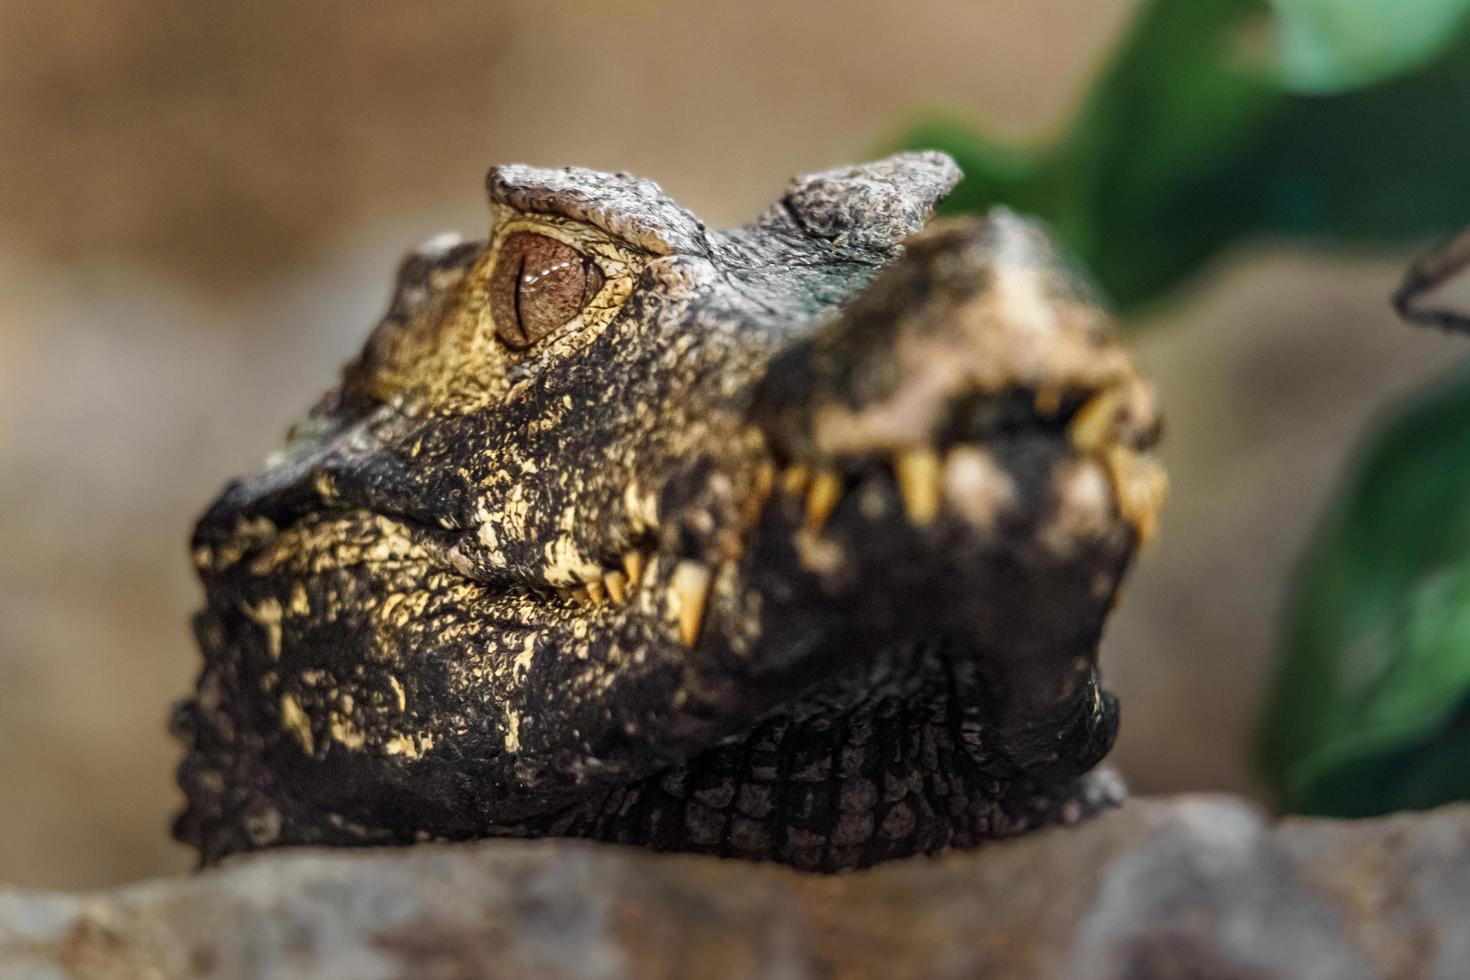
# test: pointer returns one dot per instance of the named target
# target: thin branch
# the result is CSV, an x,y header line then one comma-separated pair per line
x,y
1429,273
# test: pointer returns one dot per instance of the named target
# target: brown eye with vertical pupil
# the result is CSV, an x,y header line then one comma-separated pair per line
x,y
538,284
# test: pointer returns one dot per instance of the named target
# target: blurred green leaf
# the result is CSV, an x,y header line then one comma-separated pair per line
x,y
1335,45
1190,140
1370,709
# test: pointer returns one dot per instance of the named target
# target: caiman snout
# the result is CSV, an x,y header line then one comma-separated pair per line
x,y
973,444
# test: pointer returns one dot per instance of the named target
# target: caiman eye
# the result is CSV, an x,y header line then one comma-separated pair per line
x,y
538,284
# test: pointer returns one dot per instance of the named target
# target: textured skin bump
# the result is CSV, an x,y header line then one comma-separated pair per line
x,y
794,543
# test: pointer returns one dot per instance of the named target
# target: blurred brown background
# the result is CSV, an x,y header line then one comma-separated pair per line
x,y
200,206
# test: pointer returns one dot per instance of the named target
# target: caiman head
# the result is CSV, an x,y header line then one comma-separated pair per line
x,y
793,541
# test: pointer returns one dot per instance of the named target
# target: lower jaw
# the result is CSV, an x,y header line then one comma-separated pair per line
x,y
935,785
873,767
899,772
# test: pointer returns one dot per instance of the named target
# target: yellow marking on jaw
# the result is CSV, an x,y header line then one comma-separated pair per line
x,y
516,512
390,604
409,746
486,533
393,544
522,662
399,609
326,487
641,508
267,615
398,694
247,535
566,565
294,720
346,734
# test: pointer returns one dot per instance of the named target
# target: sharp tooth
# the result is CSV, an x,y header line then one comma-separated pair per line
x,y
689,589
919,472
596,593
633,565
1141,486
579,595
617,586
760,492
1090,427
794,479
823,494
765,480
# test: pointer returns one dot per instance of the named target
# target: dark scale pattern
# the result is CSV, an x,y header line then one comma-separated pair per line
x,y
836,788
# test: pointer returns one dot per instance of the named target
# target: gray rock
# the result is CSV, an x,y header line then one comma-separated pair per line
x,y
1184,887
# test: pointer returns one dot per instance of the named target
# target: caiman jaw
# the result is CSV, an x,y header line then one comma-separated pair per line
x,y
962,455
938,431
931,477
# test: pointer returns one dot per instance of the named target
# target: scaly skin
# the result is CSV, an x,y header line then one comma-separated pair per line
x,y
795,544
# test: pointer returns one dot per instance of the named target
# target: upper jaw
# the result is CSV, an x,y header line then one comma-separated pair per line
x,y
979,333
962,455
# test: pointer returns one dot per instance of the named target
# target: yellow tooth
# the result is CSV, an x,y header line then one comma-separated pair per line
x,y
1091,426
918,472
579,595
688,590
617,586
823,494
765,480
596,593
633,566
795,478
760,491
1141,486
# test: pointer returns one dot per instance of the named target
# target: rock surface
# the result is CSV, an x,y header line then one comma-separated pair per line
x,y
1185,887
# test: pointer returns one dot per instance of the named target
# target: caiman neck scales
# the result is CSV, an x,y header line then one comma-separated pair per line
x,y
788,542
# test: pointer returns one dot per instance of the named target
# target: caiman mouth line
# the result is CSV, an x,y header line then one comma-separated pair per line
x,y
1088,422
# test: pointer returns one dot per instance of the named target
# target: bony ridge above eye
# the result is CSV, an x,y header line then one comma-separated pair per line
x,y
538,283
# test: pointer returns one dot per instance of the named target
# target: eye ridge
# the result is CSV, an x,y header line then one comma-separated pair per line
x,y
534,288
